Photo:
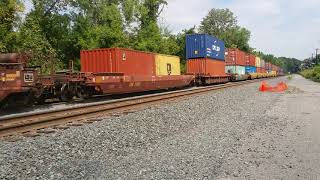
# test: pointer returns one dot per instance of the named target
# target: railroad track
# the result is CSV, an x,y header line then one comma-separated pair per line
x,y
33,124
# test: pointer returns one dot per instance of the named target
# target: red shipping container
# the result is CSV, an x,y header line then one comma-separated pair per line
x,y
252,60
206,66
235,57
118,60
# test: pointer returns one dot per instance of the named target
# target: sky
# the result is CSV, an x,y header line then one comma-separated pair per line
x,y
289,28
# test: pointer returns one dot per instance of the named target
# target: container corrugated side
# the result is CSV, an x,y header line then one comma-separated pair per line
x,y
204,46
235,57
118,60
206,66
240,70
252,60
167,65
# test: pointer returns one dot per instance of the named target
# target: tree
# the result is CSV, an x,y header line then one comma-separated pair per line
x,y
32,39
237,37
9,20
218,21
149,34
222,23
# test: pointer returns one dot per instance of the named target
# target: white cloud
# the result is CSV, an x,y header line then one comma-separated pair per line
x,y
281,27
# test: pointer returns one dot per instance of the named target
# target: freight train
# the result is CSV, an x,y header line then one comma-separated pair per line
x,y
111,71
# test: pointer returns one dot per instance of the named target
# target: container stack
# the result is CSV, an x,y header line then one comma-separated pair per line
x,y
250,64
263,66
205,55
268,67
236,62
258,65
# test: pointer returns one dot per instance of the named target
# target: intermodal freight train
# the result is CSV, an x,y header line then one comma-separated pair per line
x,y
117,71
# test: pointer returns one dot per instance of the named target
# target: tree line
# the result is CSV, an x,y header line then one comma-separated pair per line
x,y
55,31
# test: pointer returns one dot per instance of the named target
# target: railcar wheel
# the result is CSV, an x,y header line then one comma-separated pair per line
x,y
66,96
83,93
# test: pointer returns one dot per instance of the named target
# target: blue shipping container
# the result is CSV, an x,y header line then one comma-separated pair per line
x,y
251,69
204,46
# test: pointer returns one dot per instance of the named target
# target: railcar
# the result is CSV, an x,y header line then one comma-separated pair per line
x,y
17,81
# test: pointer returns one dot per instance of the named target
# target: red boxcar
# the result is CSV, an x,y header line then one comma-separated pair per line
x,y
206,66
235,57
118,60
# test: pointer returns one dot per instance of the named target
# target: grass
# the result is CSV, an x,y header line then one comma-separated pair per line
x,y
313,74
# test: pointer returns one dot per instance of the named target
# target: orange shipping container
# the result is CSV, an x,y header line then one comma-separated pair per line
x,y
235,57
206,67
118,60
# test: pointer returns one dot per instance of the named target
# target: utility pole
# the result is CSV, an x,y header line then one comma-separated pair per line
x,y
317,49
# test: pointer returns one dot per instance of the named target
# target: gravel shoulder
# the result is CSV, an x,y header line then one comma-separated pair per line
x,y
236,133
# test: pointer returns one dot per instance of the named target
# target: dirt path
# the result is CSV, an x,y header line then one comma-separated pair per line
x,y
287,146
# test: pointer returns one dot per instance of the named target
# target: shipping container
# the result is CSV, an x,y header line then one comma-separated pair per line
x,y
206,66
258,62
251,69
261,70
268,66
250,59
235,57
167,65
204,46
262,63
240,70
118,60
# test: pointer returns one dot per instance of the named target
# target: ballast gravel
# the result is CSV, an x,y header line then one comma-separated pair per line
x,y
208,136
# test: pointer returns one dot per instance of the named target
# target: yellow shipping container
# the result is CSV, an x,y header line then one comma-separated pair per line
x,y
258,62
167,65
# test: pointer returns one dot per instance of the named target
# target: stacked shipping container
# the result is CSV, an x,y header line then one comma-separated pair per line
x,y
205,55
251,64
236,61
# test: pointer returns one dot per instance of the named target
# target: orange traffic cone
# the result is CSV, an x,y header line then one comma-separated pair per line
x,y
264,86
279,88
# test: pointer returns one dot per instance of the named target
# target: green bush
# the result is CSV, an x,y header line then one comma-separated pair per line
x,y
313,74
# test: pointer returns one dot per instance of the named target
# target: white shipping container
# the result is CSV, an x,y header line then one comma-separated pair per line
x,y
241,70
